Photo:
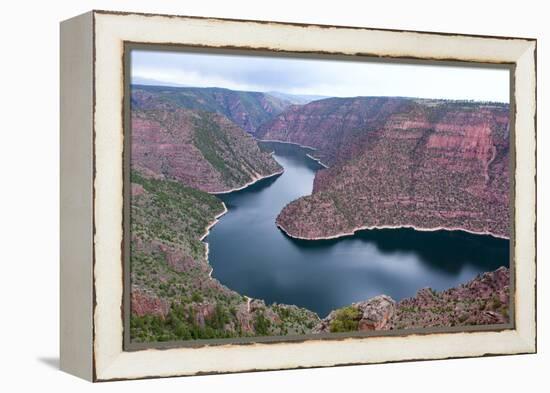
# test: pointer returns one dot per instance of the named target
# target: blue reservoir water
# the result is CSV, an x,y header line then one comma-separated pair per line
x,y
252,256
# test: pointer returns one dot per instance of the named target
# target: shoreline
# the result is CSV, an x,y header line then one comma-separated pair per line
x,y
225,211
367,227
334,237
302,146
318,161
207,232
288,143
253,181
372,227
207,246
214,222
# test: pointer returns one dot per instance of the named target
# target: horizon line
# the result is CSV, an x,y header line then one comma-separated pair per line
x,y
179,86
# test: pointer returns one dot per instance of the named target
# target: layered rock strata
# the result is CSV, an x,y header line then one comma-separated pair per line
x,y
199,149
399,162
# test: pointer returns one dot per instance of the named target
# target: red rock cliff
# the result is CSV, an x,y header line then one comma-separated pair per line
x,y
399,162
199,149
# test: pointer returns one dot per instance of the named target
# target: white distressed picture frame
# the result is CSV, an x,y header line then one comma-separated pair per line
x,y
92,141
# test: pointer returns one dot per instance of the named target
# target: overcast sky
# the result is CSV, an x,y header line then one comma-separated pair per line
x,y
319,77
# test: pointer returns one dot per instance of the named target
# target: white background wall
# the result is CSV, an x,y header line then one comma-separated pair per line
x,y
29,194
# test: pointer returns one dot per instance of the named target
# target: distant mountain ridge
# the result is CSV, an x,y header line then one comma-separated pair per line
x,y
246,109
296,99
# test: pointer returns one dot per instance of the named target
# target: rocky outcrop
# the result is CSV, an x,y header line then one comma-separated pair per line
x,y
372,314
398,162
376,313
203,312
482,301
246,109
143,303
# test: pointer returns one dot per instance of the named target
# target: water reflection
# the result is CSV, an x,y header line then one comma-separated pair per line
x,y
444,250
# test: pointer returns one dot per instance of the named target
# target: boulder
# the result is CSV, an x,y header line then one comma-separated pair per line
x,y
377,313
374,314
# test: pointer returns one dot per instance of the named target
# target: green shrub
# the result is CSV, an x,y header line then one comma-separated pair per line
x,y
346,320
261,325
197,297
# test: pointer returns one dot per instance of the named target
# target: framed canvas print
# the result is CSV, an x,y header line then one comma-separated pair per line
x,y
245,195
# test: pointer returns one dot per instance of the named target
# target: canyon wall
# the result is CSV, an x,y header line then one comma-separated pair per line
x,y
399,162
199,149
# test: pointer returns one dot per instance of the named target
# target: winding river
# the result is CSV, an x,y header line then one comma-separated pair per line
x,y
252,256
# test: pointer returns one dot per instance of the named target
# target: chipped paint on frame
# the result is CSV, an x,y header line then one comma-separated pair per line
x,y
110,361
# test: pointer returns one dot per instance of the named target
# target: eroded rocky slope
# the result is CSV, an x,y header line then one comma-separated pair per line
x,y
199,149
482,301
399,162
173,296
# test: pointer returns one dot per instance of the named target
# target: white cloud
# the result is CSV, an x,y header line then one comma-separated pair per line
x,y
321,77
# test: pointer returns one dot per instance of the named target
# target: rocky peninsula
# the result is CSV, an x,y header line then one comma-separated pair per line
x,y
399,162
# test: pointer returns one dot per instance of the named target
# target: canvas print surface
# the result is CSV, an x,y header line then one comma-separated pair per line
x,y
283,197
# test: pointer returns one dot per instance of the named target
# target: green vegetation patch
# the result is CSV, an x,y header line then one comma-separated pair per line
x,y
214,145
346,320
168,264
173,213
180,324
